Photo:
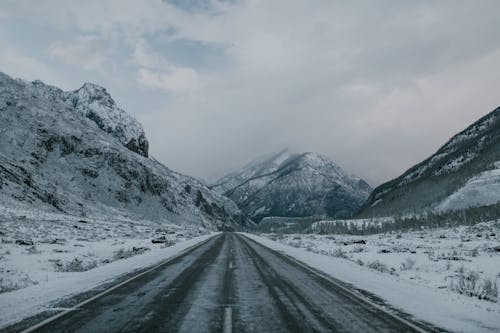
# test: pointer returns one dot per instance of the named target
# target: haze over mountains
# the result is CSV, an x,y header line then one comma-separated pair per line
x,y
463,173
294,184
77,152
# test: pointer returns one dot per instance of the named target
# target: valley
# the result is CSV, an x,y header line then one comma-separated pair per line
x,y
92,226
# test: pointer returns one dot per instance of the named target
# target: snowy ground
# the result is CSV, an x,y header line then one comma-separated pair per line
x,y
421,273
46,257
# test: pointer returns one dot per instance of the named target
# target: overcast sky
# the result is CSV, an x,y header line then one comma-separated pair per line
x,y
375,85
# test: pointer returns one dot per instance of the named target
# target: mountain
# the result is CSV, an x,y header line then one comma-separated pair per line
x,y
465,172
293,185
259,166
77,152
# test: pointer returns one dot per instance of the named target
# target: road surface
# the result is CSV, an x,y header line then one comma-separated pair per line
x,y
229,284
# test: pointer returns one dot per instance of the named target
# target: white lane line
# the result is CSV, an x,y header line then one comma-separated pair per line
x,y
228,320
230,265
63,309
79,305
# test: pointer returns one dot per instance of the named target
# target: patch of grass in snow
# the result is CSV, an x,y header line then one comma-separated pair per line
x,y
359,249
428,256
338,253
19,282
474,252
75,265
408,264
123,253
297,244
381,267
470,284
33,250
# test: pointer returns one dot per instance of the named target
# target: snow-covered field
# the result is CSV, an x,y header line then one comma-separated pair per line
x,y
44,257
443,276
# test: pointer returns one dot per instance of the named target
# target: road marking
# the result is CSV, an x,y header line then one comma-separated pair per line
x,y
63,309
107,291
230,265
228,320
347,290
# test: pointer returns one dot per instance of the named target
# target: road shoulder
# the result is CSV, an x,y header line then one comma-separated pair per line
x,y
29,302
453,312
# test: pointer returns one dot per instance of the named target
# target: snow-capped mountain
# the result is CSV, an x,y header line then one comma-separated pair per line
x,y
95,103
260,166
77,152
465,172
293,185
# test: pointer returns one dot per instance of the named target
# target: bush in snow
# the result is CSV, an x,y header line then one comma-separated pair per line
x,y
297,244
75,265
276,237
311,248
474,252
358,249
33,250
338,253
431,254
448,265
123,253
381,267
408,264
470,284
23,281
378,266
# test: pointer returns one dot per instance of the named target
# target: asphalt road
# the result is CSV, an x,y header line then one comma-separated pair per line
x,y
229,283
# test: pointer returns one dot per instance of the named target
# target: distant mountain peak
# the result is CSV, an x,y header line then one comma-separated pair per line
x,y
93,93
271,160
89,86
293,184
316,160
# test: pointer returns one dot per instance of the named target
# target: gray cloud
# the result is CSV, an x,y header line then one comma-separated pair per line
x,y
377,86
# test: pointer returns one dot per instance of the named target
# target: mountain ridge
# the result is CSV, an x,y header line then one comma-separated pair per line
x,y
473,150
59,152
306,184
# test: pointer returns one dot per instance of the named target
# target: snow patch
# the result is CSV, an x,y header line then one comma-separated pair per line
x,y
480,190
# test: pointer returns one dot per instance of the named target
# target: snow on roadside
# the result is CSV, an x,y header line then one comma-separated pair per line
x,y
43,261
410,271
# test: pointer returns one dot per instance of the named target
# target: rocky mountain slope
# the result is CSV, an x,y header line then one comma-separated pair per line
x,y
464,172
77,152
294,185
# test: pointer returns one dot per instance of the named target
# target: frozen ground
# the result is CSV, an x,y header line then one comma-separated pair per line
x,y
46,257
438,276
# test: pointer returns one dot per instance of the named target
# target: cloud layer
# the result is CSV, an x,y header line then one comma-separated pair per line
x,y
377,86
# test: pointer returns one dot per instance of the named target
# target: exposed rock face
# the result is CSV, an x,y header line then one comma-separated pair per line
x,y
78,153
447,179
294,185
95,103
